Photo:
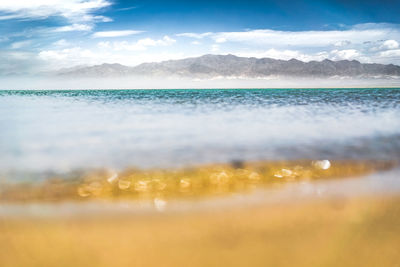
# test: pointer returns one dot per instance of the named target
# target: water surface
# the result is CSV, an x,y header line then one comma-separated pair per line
x,y
66,130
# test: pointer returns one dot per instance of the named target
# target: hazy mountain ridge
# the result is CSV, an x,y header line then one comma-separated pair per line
x,y
211,66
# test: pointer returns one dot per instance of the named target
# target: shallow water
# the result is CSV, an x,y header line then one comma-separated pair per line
x,y
66,130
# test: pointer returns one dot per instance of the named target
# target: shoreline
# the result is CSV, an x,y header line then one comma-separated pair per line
x,y
191,182
377,185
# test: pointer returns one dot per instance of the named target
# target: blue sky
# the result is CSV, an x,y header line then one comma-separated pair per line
x,y
233,15
45,35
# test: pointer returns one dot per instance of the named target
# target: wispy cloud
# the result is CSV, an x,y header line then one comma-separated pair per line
x,y
126,8
123,52
61,43
3,39
72,10
73,27
195,35
356,34
21,44
73,56
111,34
141,44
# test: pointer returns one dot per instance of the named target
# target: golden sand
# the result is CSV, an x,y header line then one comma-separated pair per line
x,y
193,182
330,231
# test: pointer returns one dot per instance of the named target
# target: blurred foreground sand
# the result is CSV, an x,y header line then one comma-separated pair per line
x,y
336,230
331,232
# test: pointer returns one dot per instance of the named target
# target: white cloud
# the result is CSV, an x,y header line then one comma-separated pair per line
x,y
285,54
96,18
141,44
358,34
195,35
126,8
73,27
20,55
69,57
214,48
166,40
220,40
390,44
195,43
53,54
304,38
108,34
104,45
347,54
21,44
17,62
61,42
128,53
342,43
390,53
73,10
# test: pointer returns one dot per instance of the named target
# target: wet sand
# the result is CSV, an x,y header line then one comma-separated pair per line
x,y
192,182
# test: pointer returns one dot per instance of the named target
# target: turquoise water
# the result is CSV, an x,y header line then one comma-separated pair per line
x,y
66,130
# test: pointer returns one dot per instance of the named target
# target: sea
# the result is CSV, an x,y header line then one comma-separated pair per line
x,y
57,131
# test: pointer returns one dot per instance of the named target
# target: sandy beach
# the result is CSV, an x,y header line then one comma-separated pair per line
x,y
327,220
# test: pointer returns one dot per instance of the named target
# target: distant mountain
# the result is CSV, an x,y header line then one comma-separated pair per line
x,y
211,66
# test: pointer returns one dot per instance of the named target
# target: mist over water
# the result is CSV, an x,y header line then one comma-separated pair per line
x,y
66,130
43,82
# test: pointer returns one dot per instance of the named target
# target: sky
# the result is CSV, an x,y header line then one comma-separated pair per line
x,y
46,35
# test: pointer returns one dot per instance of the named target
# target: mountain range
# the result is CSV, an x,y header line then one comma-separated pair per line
x,y
211,66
